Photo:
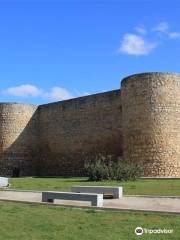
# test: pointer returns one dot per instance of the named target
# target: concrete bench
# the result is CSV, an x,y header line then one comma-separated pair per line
x,y
95,199
117,192
3,182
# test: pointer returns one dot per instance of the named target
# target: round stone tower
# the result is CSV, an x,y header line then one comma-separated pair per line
x,y
151,122
18,141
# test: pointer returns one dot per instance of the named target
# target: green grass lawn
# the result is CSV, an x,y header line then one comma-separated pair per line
x,y
161,187
45,222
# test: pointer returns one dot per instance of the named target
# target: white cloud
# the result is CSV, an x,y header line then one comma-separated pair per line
x,y
52,94
162,27
141,29
134,44
23,91
57,94
78,93
174,35
138,44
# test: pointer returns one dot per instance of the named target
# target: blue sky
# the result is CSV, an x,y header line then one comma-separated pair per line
x,y
55,50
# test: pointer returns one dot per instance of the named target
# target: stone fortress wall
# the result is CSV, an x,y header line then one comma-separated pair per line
x,y
151,122
18,139
74,130
140,123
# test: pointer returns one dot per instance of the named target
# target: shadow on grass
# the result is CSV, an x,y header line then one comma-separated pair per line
x,y
69,178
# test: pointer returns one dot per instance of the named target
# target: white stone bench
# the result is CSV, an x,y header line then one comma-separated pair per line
x,y
95,199
3,182
116,192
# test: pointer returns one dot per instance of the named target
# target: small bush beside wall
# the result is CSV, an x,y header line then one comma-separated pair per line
x,y
103,169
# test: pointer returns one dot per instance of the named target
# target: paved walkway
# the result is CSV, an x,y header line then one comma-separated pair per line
x,y
162,204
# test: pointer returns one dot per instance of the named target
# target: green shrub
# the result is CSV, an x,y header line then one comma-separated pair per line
x,y
128,171
96,171
103,168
